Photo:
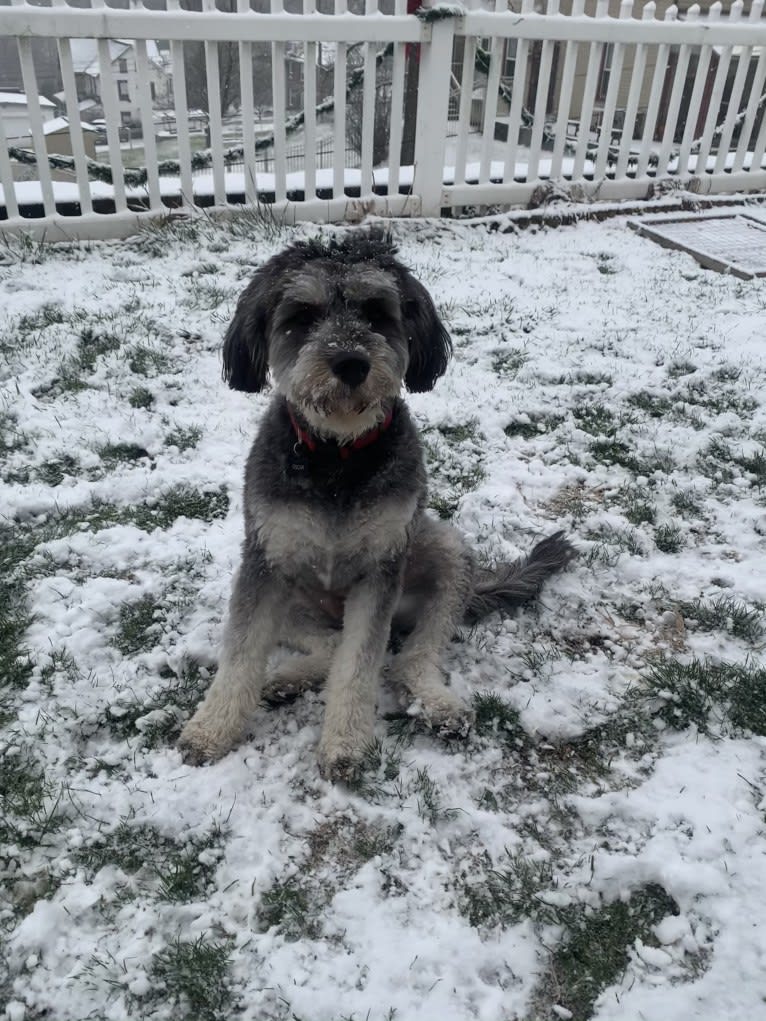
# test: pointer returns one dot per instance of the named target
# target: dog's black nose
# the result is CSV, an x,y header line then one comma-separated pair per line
x,y
352,369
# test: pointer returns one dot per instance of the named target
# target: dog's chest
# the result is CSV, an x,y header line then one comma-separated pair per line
x,y
332,549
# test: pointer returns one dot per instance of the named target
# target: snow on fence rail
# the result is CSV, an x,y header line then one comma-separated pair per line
x,y
596,99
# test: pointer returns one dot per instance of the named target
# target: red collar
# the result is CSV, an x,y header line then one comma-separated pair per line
x,y
344,449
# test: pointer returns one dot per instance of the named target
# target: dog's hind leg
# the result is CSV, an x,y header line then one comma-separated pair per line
x,y
436,586
256,612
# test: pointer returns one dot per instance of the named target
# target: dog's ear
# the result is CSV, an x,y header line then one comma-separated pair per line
x,y
245,347
430,344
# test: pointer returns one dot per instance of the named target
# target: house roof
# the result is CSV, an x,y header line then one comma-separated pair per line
x,y
20,99
84,104
62,124
85,54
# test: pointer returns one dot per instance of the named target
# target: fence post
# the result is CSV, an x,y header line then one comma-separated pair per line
x,y
433,106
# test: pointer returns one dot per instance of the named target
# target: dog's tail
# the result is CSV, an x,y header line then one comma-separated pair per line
x,y
512,585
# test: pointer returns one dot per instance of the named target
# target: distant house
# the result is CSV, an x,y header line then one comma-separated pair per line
x,y
89,108
294,73
58,138
124,72
14,111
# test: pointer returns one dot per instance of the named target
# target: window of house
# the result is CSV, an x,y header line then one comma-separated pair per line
x,y
123,67
606,70
509,58
122,90
126,117
153,90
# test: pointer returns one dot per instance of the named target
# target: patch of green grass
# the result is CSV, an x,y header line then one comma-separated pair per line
x,y
11,437
184,439
669,539
627,731
726,374
201,269
68,380
495,717
687,502
145,361
611,451
594,951
159,717
181,502
681,367
533,425
113,454
508,895
31,805
49,314
429,799
15,662
370,841
455,468
709,695
596,419
157,234
507,362
138,626
183,871
92,345
379,767
24,248
716,460
755,465
606,264
636,507
460,433
141,397
195,978
715,399
653,404
53,472
610,542
725,613
287,907
254,222
583,377
206,296
21,540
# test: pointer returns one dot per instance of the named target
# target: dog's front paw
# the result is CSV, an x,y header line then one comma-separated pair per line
x,y
199,745
446,715
340,762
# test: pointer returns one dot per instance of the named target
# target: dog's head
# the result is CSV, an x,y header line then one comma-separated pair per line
x,y
341,325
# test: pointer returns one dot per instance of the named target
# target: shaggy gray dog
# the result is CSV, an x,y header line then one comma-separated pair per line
x,y
339,554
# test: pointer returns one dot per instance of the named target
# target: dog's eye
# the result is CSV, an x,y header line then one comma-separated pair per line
x,y
376,312
305,315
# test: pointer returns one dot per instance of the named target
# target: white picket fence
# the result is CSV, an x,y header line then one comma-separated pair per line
x,y
672,100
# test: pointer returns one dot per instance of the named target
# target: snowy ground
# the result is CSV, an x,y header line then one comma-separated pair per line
x,y
597,848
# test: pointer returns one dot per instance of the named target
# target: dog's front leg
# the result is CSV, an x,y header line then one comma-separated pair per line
x,y
255,615
352,681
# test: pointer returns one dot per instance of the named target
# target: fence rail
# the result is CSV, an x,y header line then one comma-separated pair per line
x,y
454,108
